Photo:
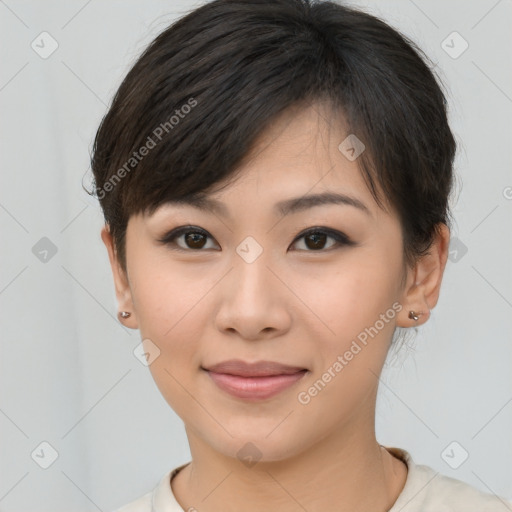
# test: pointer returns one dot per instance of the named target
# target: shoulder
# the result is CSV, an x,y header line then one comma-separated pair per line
x,y
160,499
427,490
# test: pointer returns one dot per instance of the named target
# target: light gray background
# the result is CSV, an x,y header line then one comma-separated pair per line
x,y
68,375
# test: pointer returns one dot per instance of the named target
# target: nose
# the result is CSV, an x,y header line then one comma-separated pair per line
x,y
253,301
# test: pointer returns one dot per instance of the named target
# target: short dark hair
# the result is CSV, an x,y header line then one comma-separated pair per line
x,y
217,77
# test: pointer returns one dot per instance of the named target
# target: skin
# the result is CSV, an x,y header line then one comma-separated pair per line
x,y
294,304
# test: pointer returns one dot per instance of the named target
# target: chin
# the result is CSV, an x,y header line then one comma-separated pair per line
x,y
257,446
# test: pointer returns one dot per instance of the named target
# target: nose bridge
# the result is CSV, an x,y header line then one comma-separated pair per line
x,y
250,250
250,300
251,272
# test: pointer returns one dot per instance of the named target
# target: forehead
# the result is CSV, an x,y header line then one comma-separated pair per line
x,y
299,161
301,152
303,132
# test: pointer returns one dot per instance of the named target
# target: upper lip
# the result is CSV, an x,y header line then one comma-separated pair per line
x,y
257,369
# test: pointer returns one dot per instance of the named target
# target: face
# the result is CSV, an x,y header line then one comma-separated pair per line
x,y
318,288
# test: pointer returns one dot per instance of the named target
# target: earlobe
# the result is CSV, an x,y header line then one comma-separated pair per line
x,y
423,286
126,314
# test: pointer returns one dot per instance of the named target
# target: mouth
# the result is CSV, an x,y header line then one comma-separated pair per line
x,y
254,381
257,369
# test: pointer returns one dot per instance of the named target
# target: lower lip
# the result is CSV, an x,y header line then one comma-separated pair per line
x,y
255,388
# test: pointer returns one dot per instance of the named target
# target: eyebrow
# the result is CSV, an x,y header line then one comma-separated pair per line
x,y
282,208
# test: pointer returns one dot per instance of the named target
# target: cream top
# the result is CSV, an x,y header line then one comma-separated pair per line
x,y
425,490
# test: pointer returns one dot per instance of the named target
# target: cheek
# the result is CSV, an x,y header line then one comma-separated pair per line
x,y
351,294
355,302
167,294
173,306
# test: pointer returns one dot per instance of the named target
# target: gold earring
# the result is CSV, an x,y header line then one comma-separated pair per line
x,y
413,315
125,314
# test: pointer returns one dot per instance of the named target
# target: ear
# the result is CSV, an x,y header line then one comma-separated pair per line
x,y
122,285
423,283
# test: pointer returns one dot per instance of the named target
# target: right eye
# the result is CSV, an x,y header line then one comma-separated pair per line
x,y
191,237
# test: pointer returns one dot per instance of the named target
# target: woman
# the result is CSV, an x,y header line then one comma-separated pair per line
x,y
275,179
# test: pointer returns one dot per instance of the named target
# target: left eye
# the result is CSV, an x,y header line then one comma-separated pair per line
x,y
315,239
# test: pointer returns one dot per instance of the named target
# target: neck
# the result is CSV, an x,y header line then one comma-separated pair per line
x,y
342,472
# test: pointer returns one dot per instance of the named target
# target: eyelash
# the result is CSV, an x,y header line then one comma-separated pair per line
x,y
340,238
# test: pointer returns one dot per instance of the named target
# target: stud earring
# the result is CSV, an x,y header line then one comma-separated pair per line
x,y
413,315
125,314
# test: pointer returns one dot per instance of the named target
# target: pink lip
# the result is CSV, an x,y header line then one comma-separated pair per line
x,y
255,388
254,381
257,369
